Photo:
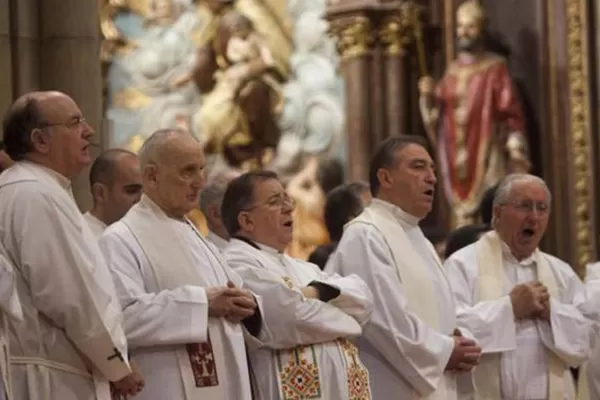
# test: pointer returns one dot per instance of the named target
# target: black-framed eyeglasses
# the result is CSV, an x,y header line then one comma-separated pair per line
x,y
72,123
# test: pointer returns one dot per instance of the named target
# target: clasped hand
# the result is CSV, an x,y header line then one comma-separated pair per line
x,y
530,300
129,386
229,302
465,355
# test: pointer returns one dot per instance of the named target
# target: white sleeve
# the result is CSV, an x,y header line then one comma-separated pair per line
x,y
417,352
67,284
290,319
167,317
492,323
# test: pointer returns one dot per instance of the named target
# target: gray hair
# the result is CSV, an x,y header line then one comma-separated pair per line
x,y
153,148
213,193
505,187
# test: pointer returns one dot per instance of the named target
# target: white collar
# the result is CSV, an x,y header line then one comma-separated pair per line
x,y
397,212
40,169
95,219
529,260
217,240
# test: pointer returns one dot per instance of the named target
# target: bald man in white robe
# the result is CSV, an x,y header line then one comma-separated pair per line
x,y
185,312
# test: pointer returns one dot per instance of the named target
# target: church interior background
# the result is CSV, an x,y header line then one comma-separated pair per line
x,y
343,75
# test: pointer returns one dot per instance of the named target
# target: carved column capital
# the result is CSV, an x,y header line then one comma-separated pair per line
x,y
395,34
354,35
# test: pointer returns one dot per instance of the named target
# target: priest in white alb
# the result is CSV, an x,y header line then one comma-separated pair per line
x,y
71,341
412,346
210,205
521,303
185,312
10,308
307,351
588,386
116,185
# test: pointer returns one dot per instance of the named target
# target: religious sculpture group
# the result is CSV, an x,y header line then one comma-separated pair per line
x,y
256,82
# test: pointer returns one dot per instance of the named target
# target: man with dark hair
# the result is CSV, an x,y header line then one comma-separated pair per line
x,y
312,314
487,205
72,334
412,346
5,160
342,205
185,311
116,184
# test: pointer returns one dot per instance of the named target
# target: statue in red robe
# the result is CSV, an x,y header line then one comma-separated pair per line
x,y
474,119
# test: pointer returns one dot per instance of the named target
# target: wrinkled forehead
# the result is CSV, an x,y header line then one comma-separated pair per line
x,y
529,191
264,188
58,106
182,150
413,152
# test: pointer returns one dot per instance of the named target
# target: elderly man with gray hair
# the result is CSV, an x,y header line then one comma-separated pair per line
x,y
211,198
519,302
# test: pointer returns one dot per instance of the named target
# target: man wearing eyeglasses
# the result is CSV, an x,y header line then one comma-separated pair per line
x,y
306,351
521,304
71,342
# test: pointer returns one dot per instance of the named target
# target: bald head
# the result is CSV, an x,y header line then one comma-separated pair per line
x,y
105,167
164,143
172,163
49,129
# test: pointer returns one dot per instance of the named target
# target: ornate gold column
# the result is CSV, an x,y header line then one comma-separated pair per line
x,y
69,56
355,36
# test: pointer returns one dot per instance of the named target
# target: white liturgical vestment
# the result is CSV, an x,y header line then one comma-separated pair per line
x,y
162,267
408,342
96,226
217,240
306,352
10,308
532,356
589,375
71,337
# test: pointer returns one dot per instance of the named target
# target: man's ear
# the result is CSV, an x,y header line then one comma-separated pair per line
x,y
385,178
246,222
40,141
214,212
99,192
150,175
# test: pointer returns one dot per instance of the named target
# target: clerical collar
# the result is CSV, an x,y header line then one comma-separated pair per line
x,y
396,211
258,246
525,262
63,181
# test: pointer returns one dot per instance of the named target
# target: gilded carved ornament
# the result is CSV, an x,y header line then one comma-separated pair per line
x,y
395,34
353,38
580,129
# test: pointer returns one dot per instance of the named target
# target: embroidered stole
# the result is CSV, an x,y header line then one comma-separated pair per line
x,y
299,377
412,272
490,287
202,365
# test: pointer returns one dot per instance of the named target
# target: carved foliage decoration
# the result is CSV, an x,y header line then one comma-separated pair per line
x,y
580,128
354,36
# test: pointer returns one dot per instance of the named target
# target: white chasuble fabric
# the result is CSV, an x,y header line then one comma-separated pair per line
x,y
217,240
522,359
96,226
161,268
588,387
10,308
408,341
306,349
71,339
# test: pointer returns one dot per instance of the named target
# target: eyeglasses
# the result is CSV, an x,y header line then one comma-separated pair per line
x,y
72,123
278,200
531,206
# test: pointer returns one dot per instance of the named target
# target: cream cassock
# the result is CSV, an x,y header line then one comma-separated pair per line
x,y
71,339
161,267
526,359
306,352
589,375
408,342
10,308
96,226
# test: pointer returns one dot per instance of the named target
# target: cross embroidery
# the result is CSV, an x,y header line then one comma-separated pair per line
x,y
116,354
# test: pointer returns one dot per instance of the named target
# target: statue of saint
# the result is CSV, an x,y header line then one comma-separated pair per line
x,y
241,85
473,118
